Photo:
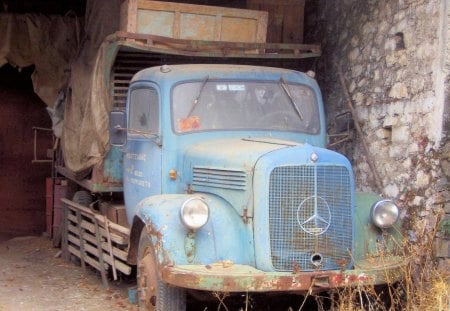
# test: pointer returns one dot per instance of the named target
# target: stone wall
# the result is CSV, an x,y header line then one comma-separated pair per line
x,y
392,54
442,245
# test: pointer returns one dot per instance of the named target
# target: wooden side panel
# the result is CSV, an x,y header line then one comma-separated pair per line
x,y
293,22
193,22
285,21
91,237
128,15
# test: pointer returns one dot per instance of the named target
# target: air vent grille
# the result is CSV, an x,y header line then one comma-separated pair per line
x,y
219,178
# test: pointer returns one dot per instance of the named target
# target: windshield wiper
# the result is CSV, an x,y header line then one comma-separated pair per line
x,y
196,100
285,87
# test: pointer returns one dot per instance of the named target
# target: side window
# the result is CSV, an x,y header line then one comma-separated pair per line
x,y
144,110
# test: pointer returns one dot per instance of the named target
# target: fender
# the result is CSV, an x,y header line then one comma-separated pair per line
x,y
224,237
373,237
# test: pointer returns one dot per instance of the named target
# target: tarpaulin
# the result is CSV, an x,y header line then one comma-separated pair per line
x,y
47,42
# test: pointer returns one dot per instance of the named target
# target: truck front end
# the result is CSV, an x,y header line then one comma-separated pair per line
x,y
249,198
282,216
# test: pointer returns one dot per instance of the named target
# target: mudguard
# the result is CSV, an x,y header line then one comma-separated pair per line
x,y
225,237
370,240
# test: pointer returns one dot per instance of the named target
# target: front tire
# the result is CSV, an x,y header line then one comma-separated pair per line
x,y
153,293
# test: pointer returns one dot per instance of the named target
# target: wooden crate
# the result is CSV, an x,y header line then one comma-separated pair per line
x,y
193,22
95,240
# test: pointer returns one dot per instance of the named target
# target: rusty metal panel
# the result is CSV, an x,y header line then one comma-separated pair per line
x,y
229,277
188,21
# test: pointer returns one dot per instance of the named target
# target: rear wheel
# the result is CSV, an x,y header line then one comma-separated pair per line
x,y
153,293
82,197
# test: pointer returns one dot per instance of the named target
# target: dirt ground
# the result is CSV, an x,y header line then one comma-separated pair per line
x,y
32,278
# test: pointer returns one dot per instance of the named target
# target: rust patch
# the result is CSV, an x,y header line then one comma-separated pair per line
x,y
159,250
241,280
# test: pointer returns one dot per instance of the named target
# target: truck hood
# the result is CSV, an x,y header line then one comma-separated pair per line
x,y
229,168
225,167
232,154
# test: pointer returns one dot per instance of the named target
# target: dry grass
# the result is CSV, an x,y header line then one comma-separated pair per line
x,y
422,287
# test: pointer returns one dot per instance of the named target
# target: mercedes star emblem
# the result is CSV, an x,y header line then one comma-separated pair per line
x,y
314,215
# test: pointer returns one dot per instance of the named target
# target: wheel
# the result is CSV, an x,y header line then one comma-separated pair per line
x,y
82,197
153,293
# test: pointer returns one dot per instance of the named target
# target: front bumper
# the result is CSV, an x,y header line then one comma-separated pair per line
x,y
228,277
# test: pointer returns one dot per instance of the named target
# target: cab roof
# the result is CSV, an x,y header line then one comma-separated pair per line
x,y
218,71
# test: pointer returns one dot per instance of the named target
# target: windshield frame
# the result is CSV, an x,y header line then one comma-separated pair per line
x,y
316,96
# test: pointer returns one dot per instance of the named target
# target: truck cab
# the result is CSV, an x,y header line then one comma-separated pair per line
x,y
229,187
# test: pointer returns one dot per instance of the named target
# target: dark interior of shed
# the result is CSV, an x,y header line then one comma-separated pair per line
x,y
22,182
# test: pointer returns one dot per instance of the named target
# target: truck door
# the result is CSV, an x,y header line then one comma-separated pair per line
x,y
142,158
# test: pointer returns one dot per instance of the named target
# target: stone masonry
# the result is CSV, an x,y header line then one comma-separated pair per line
x,y
394,58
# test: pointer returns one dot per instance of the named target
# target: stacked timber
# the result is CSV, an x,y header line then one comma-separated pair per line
x,y
95,240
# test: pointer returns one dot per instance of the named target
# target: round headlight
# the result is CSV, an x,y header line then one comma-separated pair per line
x,y
384,214
194,213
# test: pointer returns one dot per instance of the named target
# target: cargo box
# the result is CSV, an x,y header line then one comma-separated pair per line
x,y
193,22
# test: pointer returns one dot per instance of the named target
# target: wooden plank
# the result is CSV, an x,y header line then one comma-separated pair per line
x,y
106,257
91,227
261,29
87,259
196,8
128,14
119,253
80,232
293,21
286,19
202,45
102,219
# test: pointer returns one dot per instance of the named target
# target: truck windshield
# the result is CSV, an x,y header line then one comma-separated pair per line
x,y
244,105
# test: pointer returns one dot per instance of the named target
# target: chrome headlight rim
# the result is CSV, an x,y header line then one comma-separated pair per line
x,y
187,213
390,214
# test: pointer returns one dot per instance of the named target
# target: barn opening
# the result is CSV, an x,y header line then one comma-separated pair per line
x,y
22,195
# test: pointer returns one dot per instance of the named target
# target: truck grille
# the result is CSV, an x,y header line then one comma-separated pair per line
x,y
310,212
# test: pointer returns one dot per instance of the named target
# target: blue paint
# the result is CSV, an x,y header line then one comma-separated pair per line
x,y
112,165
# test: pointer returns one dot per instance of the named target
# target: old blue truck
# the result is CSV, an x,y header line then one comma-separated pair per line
x,y
228,187
224,177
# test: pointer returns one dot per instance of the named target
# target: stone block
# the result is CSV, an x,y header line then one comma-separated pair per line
x,y
418,200
358,98
399,90
401,135
354,54
407,164
422,179
356,71
444,265
390,121
396,151
446,167
413,148
442,248
391,190
444,226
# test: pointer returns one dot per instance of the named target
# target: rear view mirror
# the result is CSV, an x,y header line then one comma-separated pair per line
x,y
117,128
